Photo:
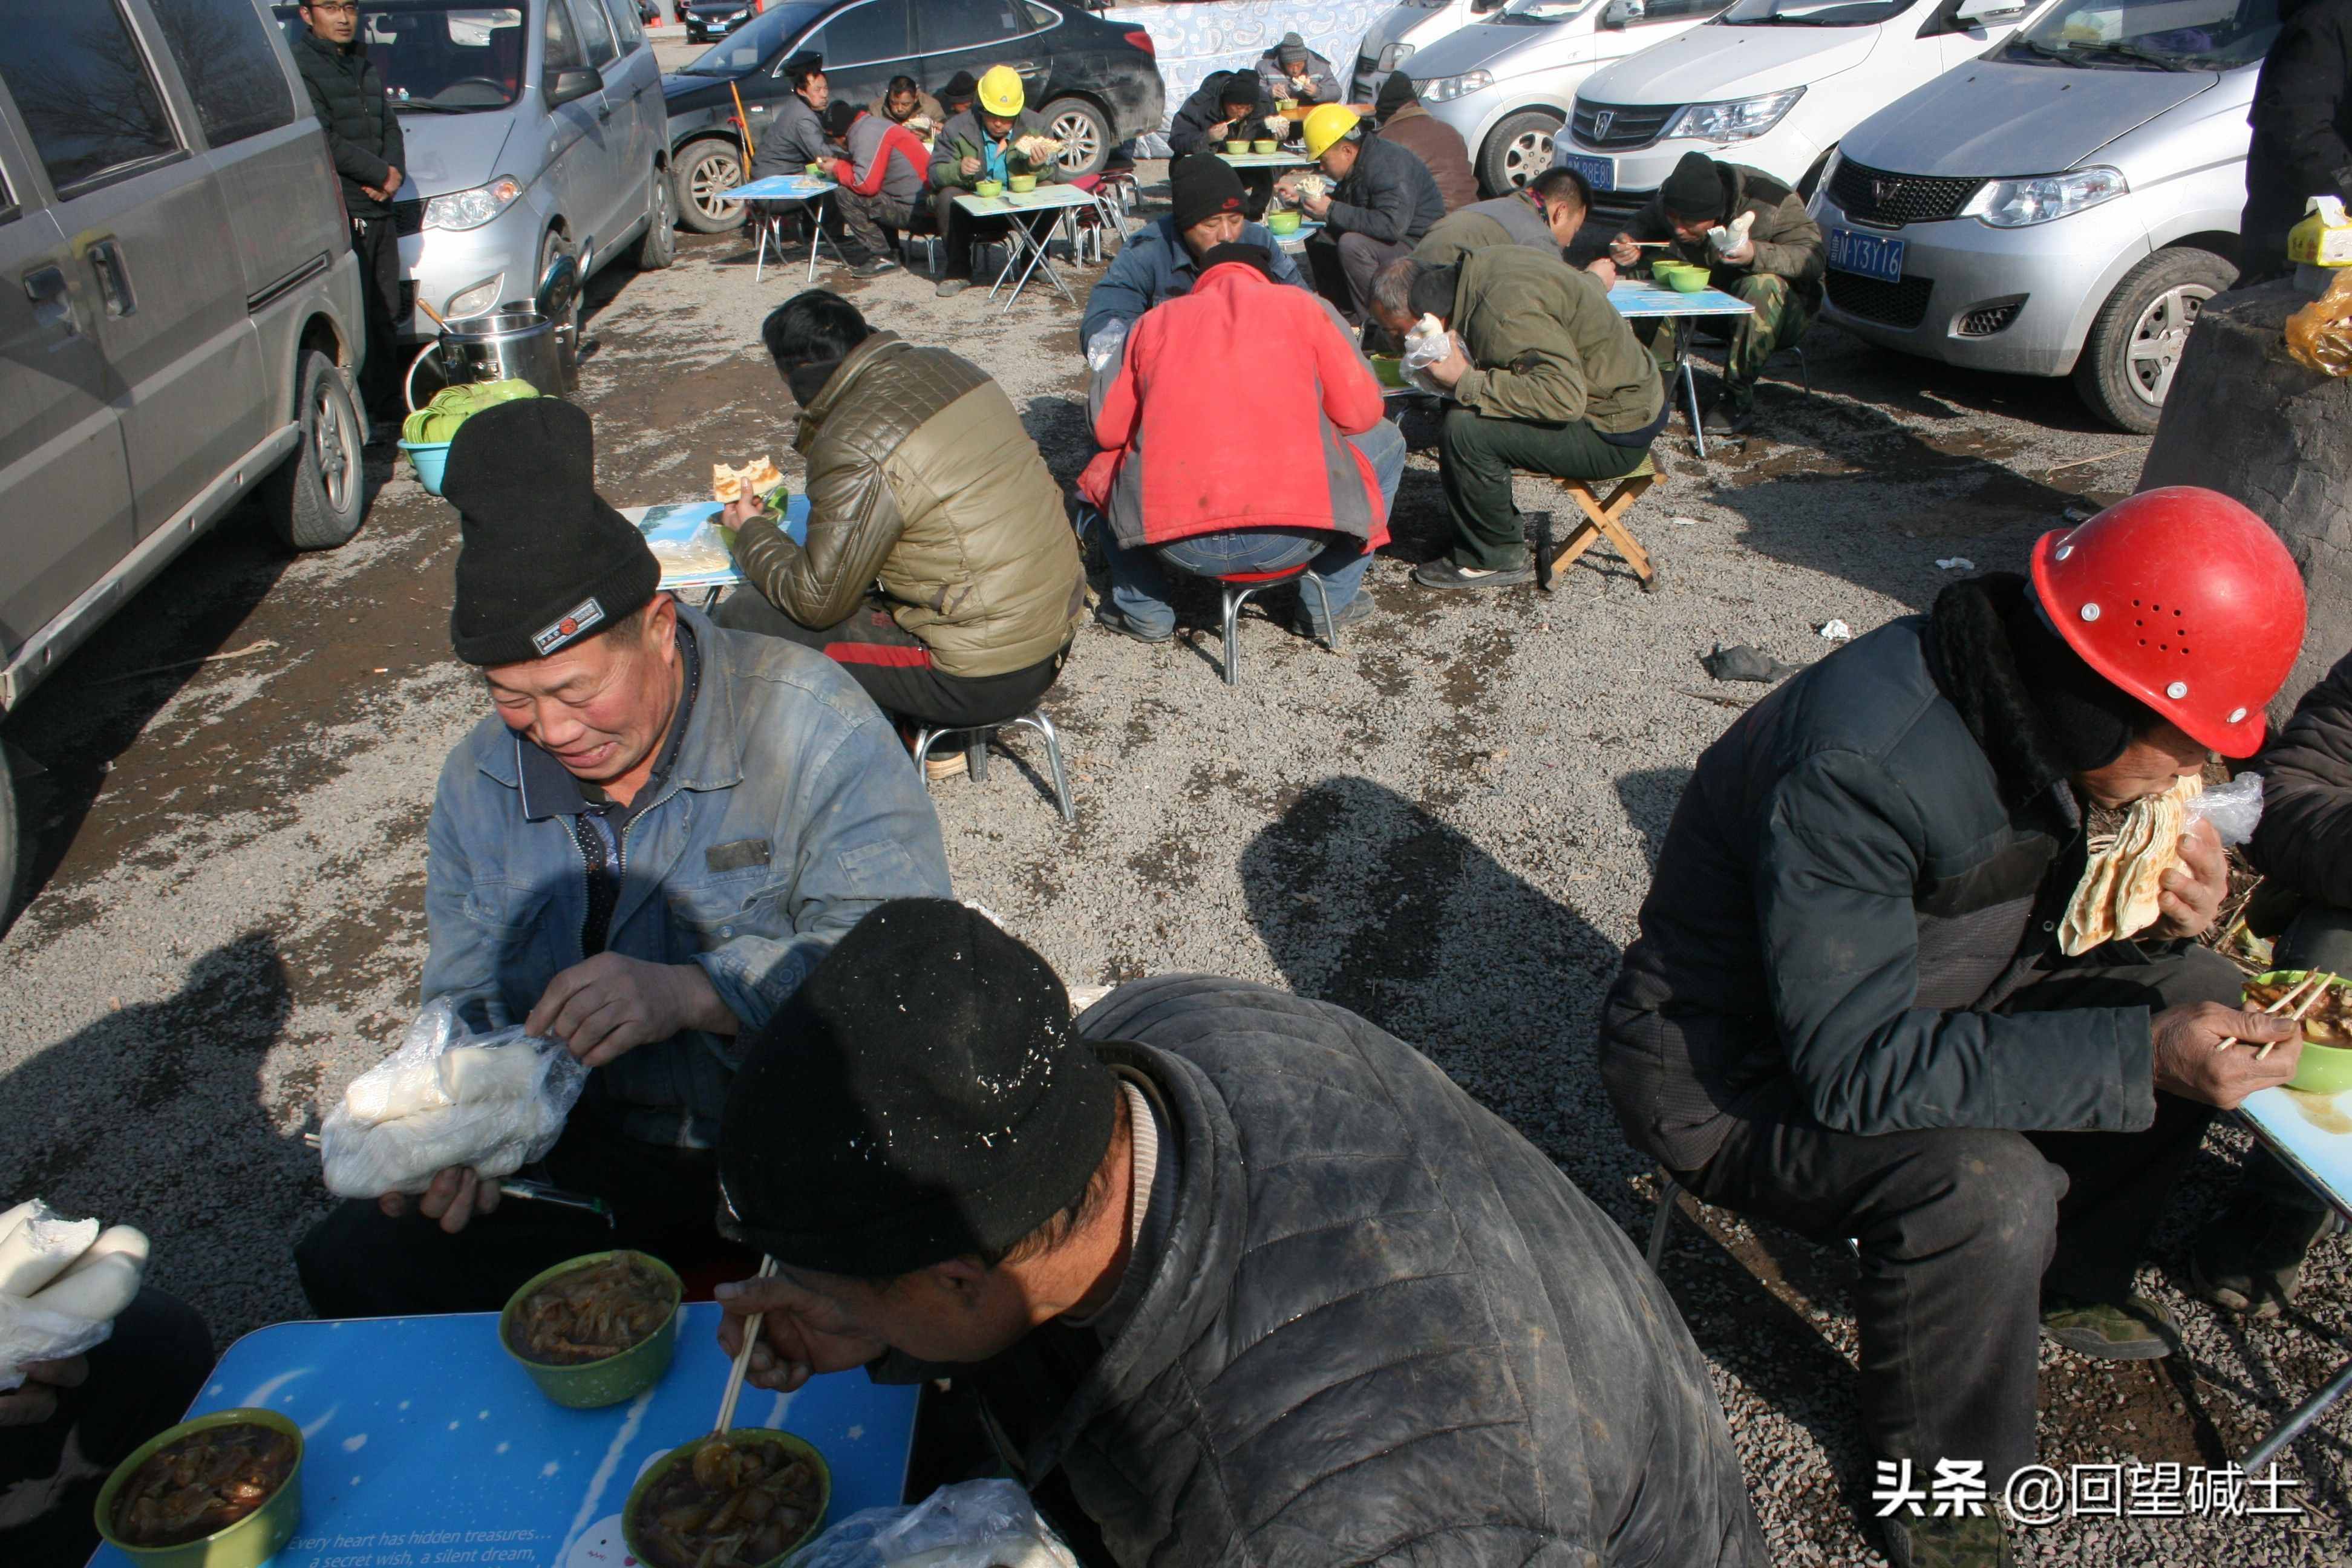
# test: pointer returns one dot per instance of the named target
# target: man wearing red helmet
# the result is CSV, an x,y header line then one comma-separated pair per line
x,y
1847,1011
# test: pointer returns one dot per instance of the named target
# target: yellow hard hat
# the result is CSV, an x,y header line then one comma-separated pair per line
x,y
1326,123
1000,92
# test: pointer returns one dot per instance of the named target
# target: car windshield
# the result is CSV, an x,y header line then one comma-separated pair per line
x,y
441,57
1538,13
1814,13
743,49
2150,35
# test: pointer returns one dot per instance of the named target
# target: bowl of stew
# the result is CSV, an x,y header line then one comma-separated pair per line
x,y
594,1330
221,1491
744,1499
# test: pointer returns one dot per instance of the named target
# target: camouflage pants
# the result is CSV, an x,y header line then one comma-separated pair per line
x,y
1780,319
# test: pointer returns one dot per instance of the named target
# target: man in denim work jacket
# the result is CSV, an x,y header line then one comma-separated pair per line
x,y
641,854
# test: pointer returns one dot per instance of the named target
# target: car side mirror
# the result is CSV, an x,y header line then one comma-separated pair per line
x,y
1623,13
1482,7
1971,11
567,83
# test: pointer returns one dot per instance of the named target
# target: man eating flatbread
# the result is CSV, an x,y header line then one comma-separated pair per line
x,y
2121,892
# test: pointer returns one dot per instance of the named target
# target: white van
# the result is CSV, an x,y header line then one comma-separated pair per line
x,y
1398,33
1772,84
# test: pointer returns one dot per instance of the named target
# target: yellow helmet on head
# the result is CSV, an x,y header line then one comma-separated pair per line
x,y
1326,123
1000,92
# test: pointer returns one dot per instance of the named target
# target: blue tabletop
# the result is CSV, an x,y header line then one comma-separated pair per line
x,y
1638,298
2313,1132
426,1445
780,188
685,538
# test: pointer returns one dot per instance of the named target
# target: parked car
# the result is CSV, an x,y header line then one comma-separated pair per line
x,y
182,322
1399,33
707,20
534,129
1770,83
1095,82
1506,81
2063,206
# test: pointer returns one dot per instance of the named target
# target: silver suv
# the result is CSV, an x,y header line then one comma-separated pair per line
x,y
181,319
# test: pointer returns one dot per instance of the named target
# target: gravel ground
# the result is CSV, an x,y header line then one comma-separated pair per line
x,y
1447,828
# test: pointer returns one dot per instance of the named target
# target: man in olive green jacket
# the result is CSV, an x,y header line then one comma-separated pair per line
x,y
1547,377
938,566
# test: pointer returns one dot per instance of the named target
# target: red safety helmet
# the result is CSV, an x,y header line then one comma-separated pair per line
x,y
2185,599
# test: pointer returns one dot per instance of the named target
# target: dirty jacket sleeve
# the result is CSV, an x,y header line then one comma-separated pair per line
x,y
853,520
1840,857
2304,839
1544,377
1788,242
2301,99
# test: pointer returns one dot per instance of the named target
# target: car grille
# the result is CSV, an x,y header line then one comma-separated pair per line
x,y
408,217
1900,304
1986,320
1618,207
1889,200
1627,125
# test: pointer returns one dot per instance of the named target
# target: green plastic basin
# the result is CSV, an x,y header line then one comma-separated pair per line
x,y
622,1376
248,1543
684,1454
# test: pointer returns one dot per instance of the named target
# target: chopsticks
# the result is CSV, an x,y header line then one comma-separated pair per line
x,y
2302,995
743,1356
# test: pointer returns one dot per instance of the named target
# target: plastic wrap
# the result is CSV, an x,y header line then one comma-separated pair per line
x,y
40,1248
2235,809
2320,335
1426,345
448,1098
972,1524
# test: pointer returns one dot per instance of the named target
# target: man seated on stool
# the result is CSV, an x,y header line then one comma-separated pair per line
x,y
1544,377
1230,106
1381,201
1290,69
1207,204
1775,267
904,103
1237,1278
1543,214
939,569
976,145
881,182
1194,477
795,137
641,852
1403,123
2250,1258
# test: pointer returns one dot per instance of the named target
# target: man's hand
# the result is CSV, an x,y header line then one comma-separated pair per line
x,y
391,182
801,1334
1453,366
458,1194
2187,1065
1217,131
968,168
1317,204
1601,267
2193,892
741,510
1739,255
37,1401
610,1006
1623,251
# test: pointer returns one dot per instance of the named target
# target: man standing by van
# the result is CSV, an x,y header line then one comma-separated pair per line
x,y
347,94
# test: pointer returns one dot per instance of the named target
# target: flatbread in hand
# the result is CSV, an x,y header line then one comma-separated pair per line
x,y
2119,895
756,478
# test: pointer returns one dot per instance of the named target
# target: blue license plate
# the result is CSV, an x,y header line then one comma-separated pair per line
x,y
1601,174
1872,255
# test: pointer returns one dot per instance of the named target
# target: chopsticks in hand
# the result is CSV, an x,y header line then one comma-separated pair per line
x,y
2303,997
743,1356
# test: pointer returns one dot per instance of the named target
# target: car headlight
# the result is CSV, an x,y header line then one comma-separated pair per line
x,y
1741,120
472,209
2014,204
475,299
1395,55
1442,88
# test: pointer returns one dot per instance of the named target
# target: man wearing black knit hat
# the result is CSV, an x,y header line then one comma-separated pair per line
x,y
1757,240
1237,1277
641,853
1208,207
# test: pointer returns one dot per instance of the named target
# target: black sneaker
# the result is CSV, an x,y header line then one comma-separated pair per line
x,y
2134,1329
2250,1258
1356,610
874,268
1722,419
1112,620
1443,573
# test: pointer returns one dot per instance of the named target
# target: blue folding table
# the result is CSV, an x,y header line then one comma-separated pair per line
x,y
1638,300
2312,1135
805,189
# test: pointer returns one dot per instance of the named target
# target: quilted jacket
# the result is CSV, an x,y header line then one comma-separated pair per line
x,y
2305,837
363,132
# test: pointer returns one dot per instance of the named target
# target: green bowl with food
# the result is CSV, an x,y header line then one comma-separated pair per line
x,y
1021,185
2327,1065
1679,276
1237,146
594,1330
1390,370
989,188
1282,222
1266,144
768,1486
223,1490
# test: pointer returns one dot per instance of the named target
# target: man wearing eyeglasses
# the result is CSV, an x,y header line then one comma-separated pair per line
x,y
347,94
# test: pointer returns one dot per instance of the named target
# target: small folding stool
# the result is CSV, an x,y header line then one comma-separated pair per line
x,y
976,739
1238,587
1602,520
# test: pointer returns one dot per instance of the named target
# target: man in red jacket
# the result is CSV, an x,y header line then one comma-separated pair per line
x,y
1303,470
881,181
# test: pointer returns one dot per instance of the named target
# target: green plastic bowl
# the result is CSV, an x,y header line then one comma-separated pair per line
x,y
1282,222
251,1541
2325,1070
592,1383
1237,146
1389,369
686,1452
1022,182
989,188
1268,145
1679,276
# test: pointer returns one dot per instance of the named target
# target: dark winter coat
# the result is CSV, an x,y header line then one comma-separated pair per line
x,y
1385,1328
1389,196
347,94
2302,117
2306,839
1787,241
794,140
1189,131
1868,859
1504,220
1440,150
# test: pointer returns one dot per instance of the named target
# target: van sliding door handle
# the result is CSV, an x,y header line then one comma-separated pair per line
x,y
114,278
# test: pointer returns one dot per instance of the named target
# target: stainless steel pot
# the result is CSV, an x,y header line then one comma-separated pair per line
x,y
512,343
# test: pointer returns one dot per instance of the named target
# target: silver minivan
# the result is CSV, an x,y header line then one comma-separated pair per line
x,y
181,319
2061,206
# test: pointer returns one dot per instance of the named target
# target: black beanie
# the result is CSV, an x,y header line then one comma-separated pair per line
x,y
839,115
1199,186
1255,256
1695,190
543,561
2091,719
1241,88
922,1097
1395,93
960,86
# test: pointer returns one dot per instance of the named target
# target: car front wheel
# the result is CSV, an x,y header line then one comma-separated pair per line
x,y
700,172
317,497
1519,150
658,247
16,847
1085,136
2135,345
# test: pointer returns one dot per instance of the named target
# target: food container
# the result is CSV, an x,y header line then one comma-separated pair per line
x,y
1237,146
622,1375
1286,106
814,170
1268,144
2325,1070
248,1542
1679,276
988,188
1389,369
1281,221
429,459
684,1454
1021,184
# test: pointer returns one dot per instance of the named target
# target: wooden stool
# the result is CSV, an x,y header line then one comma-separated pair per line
x,y
1604,519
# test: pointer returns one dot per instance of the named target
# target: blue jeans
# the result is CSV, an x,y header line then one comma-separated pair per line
x,y
1140,586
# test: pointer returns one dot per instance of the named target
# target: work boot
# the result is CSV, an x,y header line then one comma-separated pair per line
x,y
950,287
2134,1329
1727,418
875,267
1950,1541
2250,1258
1443,573
1110,620
1309,622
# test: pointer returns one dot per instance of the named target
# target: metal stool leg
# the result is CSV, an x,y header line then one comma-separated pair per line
x,y
1668,1191
1323,596
1037,721
1235,599
923,740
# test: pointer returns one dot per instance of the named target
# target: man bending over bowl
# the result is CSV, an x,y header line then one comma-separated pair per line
x,y
641,852
1238,1277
